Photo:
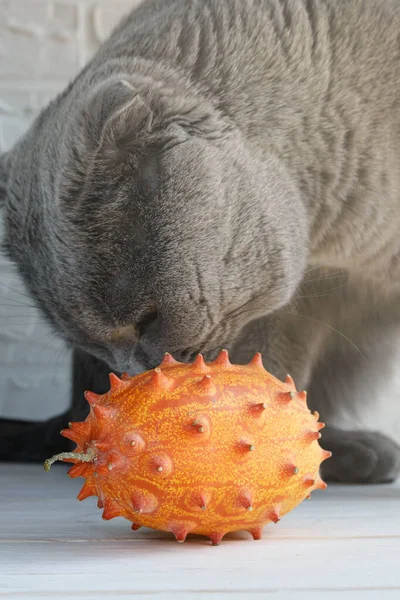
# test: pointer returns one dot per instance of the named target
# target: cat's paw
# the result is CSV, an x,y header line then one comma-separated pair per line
x,y
360,457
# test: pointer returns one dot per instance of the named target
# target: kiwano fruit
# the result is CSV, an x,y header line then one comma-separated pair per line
x,y
204,448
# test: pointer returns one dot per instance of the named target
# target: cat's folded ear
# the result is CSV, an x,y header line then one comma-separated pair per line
x,y
113,120
125,121
125,114
109,126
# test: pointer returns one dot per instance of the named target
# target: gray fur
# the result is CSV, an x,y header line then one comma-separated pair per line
x,y
177,194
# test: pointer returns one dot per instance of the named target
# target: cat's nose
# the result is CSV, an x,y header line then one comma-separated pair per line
x,y
127,335
125,347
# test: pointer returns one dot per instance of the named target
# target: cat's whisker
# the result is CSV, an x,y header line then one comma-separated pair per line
x,y
17,315
14,319
313,268
15,291
332,329
334,275
337,275
16,303
51,335
59,354
328,293
305,282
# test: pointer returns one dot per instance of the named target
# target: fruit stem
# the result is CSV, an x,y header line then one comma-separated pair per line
x,y
82,456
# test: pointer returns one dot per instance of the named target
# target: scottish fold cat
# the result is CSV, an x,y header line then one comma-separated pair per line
x,y
224,173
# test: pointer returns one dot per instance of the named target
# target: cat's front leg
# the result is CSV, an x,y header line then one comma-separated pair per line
x,y
33,441
36,441
349,387
360,457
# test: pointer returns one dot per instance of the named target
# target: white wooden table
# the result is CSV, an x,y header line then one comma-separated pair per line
x,y
343,543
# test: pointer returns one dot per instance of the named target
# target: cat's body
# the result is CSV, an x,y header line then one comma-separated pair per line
x,y
226,173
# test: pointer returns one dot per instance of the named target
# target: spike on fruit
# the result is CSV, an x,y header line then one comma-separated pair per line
x,y
161,465
320,425
68,433
168,360
290,382
260,407
143,502
88,490
111,509
256,361
78,470
320,485
286,397
92,398
115,382
138,449
326,454
206,385
245,500
199,363
316,415
158,380
180,532
132,444
77,431
302,396
246,446
216,538
103,412
223,359
256,533
125,377
313,435
135,526
274,515
202,501
200,425
116,461
293,470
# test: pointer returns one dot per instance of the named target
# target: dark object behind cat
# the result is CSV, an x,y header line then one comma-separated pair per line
x,y
198,185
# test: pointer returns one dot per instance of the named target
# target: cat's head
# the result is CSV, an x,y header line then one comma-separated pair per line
x,y
141,224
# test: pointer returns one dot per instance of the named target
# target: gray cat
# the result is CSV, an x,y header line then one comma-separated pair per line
x,y
224,173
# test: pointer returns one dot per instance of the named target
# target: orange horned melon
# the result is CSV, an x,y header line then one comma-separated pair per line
x,y
205,448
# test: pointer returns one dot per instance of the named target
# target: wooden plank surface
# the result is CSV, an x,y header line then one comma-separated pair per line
x,y
344,541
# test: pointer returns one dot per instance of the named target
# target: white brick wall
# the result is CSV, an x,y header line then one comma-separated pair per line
x,y
43,43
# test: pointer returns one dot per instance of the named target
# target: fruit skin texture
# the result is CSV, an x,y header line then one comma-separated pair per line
x,y
204,448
